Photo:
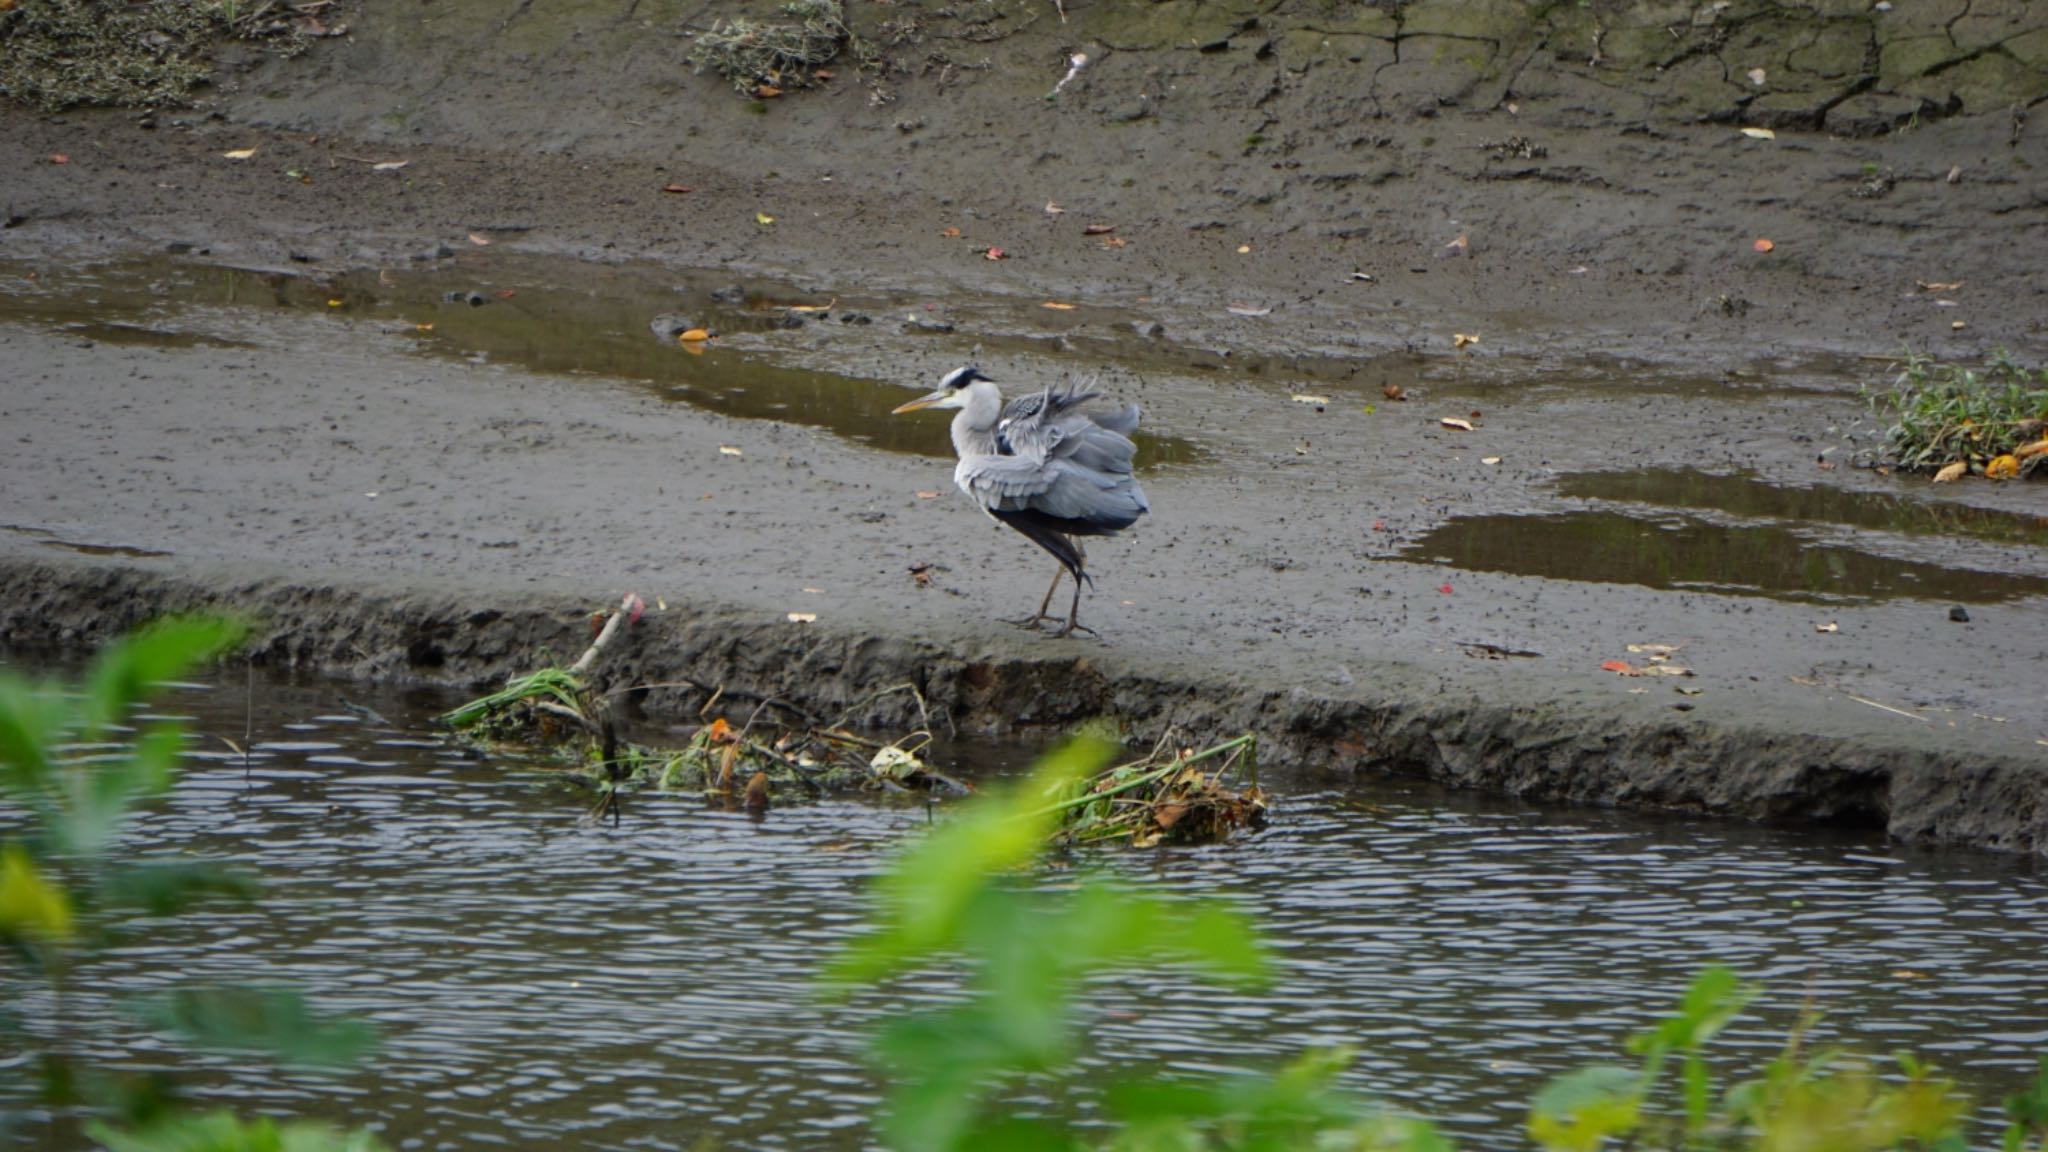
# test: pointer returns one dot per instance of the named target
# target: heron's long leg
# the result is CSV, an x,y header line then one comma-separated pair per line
x,y
1073,623
1042,614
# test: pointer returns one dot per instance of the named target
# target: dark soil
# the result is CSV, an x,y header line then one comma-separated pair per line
x,y
1310,199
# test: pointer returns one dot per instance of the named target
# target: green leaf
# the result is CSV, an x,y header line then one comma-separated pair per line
x,y
276,1021
31,721
225,1132
1577,1111
129,668
32,906
101,795
168,887
1716,997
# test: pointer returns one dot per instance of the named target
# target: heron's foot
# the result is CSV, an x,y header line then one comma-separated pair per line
x,y
1034,620
1072,626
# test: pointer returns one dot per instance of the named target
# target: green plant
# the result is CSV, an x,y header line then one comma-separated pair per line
x,y
965,895
68,890
1941,414
2026,1113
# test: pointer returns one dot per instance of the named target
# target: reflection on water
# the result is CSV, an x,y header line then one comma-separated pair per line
x,y
541,982
1675,550
1743,494
542,315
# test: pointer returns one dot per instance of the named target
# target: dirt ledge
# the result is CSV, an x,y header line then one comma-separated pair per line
x,y
1718,768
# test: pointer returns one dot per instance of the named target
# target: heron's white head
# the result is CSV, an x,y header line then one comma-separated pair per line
x,y
951,392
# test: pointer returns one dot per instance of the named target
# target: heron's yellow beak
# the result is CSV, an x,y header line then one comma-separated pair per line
x,y
925,401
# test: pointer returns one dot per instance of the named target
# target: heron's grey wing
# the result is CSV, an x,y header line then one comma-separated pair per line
x,y
1031,425
1075,498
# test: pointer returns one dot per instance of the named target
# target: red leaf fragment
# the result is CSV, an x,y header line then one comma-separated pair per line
x,y
677,188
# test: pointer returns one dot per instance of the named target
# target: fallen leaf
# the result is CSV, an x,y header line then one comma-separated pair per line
x,y
1459,246
694,335
479,239
423,327
59,158
728,450
923,494
995,254
1456,422
1460,339
1444,588
1249,310
1057,306
1052,209
1310,398
950,233
1756,76
1909,974
1654,651
1958,325
1489,459
1113,242
721,732
1830,626
389,165
763,219
2029,451
1393,392
1357,277
766,91
823,73
803,617
1243,248
1939,285
1622,666
335,302
1379,525
2002,467
825,307
1098,229
1763,245
815,591
239,154
1759,133
677,189
506,293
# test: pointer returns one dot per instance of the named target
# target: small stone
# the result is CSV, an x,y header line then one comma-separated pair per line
x,y
1959,614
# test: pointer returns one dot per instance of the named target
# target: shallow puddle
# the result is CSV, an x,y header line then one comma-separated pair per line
x,y
543,982
539,315
1805,544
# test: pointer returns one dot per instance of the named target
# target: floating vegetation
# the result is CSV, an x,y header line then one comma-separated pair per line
x,y
1173,795
1952,420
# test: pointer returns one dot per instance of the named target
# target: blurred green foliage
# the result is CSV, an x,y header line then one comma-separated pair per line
x,y
68,890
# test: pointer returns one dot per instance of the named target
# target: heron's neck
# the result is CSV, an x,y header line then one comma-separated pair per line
x,y
974,429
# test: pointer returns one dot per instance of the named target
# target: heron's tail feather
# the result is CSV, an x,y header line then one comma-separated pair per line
x,y
1038,528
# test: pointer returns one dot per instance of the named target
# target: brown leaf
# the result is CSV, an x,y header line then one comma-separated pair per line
x,y
239,154
59,158
1056,306
1461,339
923,494
1393,392
506,293
1113,242
995,254
767,91
2029,451
1763,245
1459,246
677,189
823,73
479,239
757,791
950,233
1098,229
1951,472
1458,423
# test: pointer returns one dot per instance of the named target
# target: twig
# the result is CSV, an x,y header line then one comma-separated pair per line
x,y
566,713
611,628
1889,708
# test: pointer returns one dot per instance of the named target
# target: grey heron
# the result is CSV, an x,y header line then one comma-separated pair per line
x,y
1044,468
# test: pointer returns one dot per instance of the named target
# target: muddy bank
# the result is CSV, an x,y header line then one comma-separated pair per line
x,y
271,398
1716,767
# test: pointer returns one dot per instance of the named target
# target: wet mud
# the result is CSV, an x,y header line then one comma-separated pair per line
x,y
396,381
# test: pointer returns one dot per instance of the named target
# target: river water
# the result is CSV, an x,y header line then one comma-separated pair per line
x,y
541,981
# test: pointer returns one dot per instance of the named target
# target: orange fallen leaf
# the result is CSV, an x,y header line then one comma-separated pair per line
x,y
1393,392
720,732
2029,451
677,189
767,91
950,233
1056,306
1456,422
694,335
922,494
823,73
1460,339
423,327
506,293
1243,248
1620,666
1113,242
995,254
1459,246
1951,472
479,239
1763,245
1098,229
2002,468
59,158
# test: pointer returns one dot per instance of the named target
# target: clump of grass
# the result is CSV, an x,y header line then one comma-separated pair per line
x,y
1985,418
57,54
778,53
